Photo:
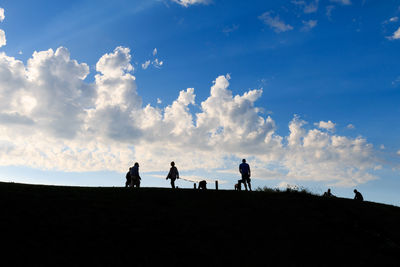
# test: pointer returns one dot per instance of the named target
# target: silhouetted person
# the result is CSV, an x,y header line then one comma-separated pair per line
x,y
203,185
173,174
328,193
244,169
135,177
358,196
128,179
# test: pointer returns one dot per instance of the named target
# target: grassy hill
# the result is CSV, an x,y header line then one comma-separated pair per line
x,y
77,226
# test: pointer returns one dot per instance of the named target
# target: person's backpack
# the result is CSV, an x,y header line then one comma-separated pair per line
x,y
128,176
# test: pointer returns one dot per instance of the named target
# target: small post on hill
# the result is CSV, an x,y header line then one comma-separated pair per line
x,y
194,185
216,184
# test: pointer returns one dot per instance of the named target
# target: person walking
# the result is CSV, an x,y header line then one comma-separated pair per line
x,y
173,174
244,169
135,177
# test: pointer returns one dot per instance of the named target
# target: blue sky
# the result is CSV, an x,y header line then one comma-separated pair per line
x,y
307,91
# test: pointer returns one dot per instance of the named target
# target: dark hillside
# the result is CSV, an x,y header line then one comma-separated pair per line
x,y
77,226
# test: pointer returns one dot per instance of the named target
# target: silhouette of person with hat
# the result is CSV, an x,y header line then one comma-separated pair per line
x,y
244,169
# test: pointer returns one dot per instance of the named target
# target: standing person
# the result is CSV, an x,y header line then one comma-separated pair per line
x,y
128,179
244,169
135,177
358,196
173,174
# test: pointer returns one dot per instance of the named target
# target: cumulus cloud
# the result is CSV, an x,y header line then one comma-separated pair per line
x,y
187,3
3,40
343,2
154,52
2,17
274,22
398,152
52,118
310,7
327,125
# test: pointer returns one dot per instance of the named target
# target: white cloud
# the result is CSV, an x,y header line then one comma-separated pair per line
x,y
2,17
154,52
343,2
382,146
115,64
310,7
327,125
308,25
187,3
394,19
159,101
52,118
396,35
146,64
275,22
3,40
350,126
156,63
398,152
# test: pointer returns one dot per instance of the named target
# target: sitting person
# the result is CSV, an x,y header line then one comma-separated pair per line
x,y
328,193
203,185
358,196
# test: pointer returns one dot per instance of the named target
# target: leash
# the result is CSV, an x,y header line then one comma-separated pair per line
x,y
188,180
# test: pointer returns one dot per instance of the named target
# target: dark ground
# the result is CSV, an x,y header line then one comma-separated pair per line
x,y
78,226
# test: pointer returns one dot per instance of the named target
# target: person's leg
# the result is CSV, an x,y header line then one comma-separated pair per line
x,y
244,182
172,183
248,181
